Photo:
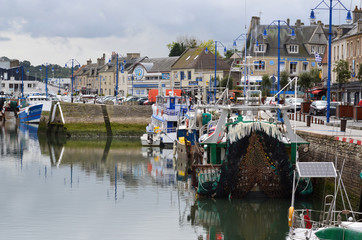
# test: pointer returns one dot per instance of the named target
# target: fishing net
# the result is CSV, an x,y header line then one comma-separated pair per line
x,y
256,160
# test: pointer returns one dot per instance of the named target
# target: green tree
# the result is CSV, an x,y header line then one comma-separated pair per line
x,y
229,53
176,50
183,42
284,80
343,74
224,82
266,85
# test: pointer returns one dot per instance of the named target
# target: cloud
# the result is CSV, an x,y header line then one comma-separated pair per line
x,y
85,29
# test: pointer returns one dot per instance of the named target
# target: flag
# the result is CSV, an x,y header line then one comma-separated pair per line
x,y
318,58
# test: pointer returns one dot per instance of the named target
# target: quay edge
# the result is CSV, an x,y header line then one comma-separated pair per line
x,y
324,148
91,120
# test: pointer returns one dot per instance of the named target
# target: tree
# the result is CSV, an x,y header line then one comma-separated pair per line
x,y
224,82
176,50
284,80
266,85
182,43
343,74
229,53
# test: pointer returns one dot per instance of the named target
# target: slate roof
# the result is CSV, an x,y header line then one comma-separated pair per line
x,y
158,64
197,58
313,34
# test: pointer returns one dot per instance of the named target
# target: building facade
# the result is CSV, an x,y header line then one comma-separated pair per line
x,y
195,69
348,46
297,53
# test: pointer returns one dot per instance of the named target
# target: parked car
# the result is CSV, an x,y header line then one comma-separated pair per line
x,y
318,107
141,100
270,101
131,99
333,108
294,102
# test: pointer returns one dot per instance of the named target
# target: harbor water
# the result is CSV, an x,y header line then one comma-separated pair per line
x,y
115,189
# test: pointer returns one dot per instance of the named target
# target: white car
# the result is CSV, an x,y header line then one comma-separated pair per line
x,y
294,102
270,101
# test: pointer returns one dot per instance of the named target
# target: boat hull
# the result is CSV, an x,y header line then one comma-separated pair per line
x,y
31,114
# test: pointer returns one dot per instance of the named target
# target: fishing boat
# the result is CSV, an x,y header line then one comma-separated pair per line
x,y
331,224
30,114
248,148
42,99
165,115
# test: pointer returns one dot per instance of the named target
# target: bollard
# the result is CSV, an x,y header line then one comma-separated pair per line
x,y
343,125
309,117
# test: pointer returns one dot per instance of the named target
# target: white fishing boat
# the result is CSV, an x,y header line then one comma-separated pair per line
x,y
331,224
42,99
165,115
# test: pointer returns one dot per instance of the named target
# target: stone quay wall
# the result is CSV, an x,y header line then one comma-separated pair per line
x,y
93,113
324,148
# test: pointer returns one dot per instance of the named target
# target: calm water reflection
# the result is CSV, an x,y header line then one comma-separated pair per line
x,y
114,190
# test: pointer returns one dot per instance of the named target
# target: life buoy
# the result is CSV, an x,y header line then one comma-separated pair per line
x,y
187,122
156,129
290,216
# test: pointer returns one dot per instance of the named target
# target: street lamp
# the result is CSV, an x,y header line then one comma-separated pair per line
x,y
121,65
73,61
278,23
245,37
206,50
324,6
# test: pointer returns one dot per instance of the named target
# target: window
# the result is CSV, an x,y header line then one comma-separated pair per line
x,y
259,48
199,79
29,85
293,48
282,66
293,67
11,85
305,66
312,49
259,65
182,75
189,75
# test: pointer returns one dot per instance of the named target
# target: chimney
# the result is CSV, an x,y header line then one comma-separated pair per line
x,y
101,61
288,21
359,29
89,62
298,23
255,21
356,14
339,32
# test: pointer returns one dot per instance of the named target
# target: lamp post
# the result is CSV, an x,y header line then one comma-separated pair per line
x,y
206,50
117,72
324,6
73,61
278,23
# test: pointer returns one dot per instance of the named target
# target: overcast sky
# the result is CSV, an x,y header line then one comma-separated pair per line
x,y
54,31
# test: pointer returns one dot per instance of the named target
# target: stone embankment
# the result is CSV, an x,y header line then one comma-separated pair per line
x,y
95,120
348,155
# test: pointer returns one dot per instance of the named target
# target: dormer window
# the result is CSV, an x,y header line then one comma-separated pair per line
x,y
293,48
260,48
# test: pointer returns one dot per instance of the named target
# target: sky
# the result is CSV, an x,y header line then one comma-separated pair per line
x,y
55,31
